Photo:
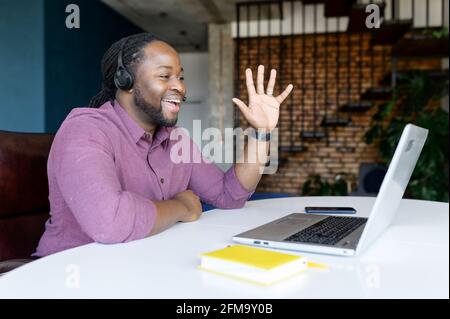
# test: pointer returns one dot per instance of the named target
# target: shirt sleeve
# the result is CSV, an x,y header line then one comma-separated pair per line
x,y
86,176
215,187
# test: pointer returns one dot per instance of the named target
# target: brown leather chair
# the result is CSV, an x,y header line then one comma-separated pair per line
x,y
24,205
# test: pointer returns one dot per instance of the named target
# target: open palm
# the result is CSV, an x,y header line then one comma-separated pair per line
x,y
263,109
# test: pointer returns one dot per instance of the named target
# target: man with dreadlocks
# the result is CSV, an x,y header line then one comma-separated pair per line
x,y
111,178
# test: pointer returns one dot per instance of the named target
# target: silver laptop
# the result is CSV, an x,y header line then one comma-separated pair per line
x,y
342,235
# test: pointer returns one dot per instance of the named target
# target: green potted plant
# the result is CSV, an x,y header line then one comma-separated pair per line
x,y
417,100
316,186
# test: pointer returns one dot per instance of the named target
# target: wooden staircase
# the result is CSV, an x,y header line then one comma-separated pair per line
x,y
398,34
405,42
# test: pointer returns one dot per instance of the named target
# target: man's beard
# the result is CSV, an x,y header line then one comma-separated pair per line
x,y
154,115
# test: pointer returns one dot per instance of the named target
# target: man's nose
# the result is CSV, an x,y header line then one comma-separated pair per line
x,y
178,85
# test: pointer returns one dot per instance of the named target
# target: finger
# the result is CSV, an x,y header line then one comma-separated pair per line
x,y
271,84
242,106
249,81
260,80
280,98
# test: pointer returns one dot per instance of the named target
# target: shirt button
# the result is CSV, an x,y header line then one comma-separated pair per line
x,y
162,180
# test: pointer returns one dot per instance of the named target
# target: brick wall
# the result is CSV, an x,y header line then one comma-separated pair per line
x,y
315,89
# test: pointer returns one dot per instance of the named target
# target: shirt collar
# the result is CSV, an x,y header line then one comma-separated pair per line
x,y
137,133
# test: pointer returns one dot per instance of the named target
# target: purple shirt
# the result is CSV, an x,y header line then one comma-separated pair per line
x,y
104,171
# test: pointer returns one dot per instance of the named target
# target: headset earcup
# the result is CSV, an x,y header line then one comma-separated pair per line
x,y
123,79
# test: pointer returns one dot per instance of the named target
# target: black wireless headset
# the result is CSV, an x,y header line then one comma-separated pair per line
x,y
123,79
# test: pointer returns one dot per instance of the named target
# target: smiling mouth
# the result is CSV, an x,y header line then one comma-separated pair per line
x,y
172,104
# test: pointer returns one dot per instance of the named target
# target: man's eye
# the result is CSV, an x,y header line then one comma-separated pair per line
x,y
182,78
164,76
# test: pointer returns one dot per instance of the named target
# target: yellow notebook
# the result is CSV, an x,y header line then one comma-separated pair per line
x,y
253,264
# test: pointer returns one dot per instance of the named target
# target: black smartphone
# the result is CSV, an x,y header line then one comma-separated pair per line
x,y
330,210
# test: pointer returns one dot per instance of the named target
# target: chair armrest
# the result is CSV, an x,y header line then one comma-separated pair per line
x,y
11,264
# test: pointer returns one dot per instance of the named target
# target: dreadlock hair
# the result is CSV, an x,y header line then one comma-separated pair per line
x,y
132,55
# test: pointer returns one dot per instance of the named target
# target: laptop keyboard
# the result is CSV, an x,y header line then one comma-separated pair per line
x,y
328,231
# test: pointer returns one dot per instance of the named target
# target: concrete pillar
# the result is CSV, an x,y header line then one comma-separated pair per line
x,y
220,88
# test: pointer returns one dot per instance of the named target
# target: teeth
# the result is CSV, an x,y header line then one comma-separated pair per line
x,y
171,101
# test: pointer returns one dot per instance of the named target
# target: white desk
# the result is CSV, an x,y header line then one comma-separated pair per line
x,y
411,259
